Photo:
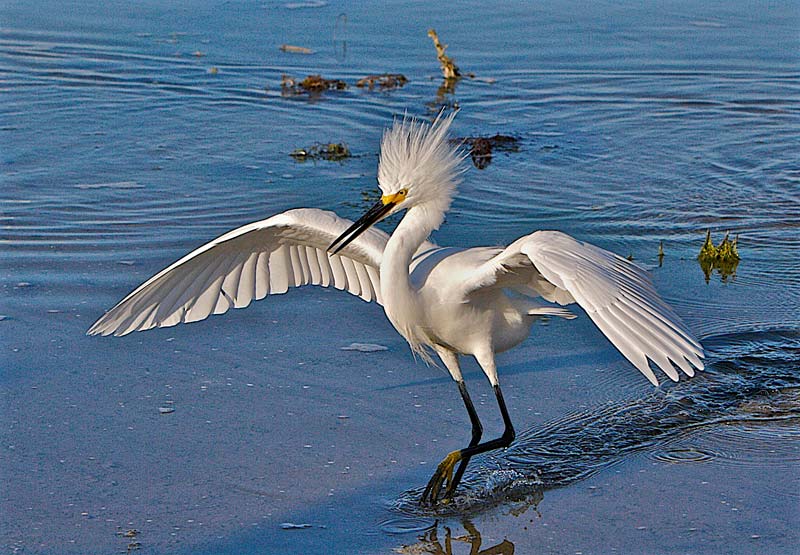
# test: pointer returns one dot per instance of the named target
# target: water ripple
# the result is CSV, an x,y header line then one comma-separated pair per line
x,y
745,406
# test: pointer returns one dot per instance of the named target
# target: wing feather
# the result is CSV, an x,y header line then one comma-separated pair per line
x,y
248,263
280,269
339,275
616,294
261,272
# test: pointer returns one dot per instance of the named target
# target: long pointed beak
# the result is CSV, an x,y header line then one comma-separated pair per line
x,y
373,216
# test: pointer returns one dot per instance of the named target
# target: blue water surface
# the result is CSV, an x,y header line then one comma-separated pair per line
x,y
131,133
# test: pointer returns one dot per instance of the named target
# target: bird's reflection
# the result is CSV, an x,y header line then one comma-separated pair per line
x,y
431,543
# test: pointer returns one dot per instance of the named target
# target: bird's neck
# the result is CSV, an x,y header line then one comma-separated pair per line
x,y
413,230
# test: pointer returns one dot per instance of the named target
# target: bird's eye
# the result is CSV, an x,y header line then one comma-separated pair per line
x,y
402,193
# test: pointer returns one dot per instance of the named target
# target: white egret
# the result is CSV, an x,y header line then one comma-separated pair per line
x,y
451,301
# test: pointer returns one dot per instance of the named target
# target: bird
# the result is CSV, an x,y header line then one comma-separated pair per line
x,y
444,301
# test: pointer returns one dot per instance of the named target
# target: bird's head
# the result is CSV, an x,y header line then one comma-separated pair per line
x,y
418,168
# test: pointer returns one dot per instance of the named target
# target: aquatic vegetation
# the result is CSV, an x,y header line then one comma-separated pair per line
x,y
333,152
723,257
312,84
385,81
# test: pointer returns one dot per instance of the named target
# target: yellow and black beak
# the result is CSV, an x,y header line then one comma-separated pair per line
x,y
375,214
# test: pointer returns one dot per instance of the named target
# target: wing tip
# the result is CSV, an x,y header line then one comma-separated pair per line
x,y
651,377
96,328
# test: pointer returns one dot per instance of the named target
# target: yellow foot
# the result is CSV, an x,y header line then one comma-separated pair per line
x,y
442,476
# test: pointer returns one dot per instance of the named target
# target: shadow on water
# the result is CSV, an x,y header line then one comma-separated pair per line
x,y
751,381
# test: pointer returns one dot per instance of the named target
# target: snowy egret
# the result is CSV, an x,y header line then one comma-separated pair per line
x,y
449,301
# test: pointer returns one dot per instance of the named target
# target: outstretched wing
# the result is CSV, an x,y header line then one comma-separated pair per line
x,y
255,260
616,294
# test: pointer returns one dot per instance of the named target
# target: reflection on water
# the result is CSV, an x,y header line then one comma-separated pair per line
x,y
431,543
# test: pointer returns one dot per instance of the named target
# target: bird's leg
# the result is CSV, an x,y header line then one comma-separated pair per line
x,y
445,468
444,472
477,432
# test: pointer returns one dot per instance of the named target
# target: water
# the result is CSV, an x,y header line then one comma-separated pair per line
x,y
130,134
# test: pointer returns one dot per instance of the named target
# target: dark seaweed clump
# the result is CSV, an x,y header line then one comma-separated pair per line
x,y
481,148
334,152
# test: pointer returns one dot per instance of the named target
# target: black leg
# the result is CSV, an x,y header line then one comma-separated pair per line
x,y
444,472
477,431
502,441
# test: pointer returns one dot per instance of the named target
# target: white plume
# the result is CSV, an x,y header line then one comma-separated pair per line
x,y
418,157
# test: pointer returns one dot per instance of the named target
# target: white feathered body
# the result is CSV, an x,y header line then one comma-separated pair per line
x,y
439,313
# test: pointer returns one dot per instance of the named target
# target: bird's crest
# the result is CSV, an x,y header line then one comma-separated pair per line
x,y
419,157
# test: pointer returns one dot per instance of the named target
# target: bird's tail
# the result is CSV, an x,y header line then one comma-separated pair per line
x,y
552,311
532,308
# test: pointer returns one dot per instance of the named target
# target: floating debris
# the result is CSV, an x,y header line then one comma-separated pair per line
x,y
724,257
384,81
198,54
449,68
313,84
132,533
480,148
365,347
166,410
293,526
334,152
213,70
301,5
660,253
295,49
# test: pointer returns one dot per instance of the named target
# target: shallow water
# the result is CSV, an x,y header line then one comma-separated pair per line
x,y
132,133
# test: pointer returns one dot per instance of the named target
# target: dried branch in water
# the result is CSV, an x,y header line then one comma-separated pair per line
x,y
385,81
449,68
